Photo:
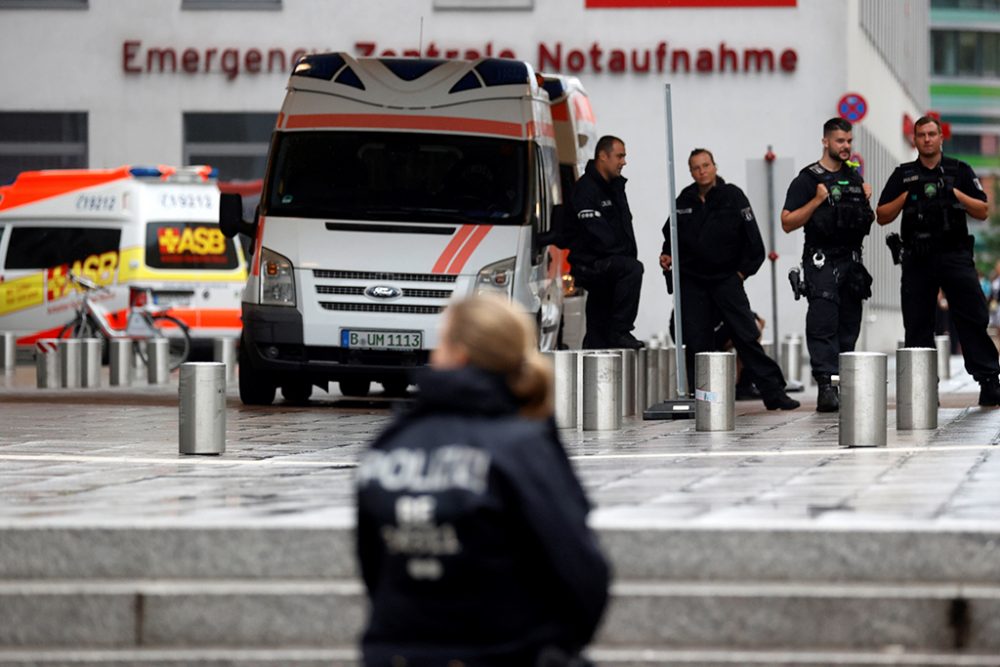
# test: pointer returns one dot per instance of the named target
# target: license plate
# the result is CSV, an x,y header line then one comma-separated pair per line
x,y
374,339
172,299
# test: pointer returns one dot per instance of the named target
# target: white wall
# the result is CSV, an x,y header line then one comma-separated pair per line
x,y
71,60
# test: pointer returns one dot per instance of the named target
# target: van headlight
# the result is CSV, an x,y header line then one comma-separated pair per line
x,y
497,278
277,280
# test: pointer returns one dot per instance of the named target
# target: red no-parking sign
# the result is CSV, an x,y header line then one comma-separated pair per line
x,y
852,107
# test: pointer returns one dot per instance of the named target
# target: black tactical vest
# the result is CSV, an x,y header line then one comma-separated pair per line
x,y
846,217
931,213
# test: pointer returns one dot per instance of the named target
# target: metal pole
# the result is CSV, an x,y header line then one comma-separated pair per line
x,y
47,363
862,399
8,355
70,362
773,253
667,373
791,358
91,367
641,368
943,345
224,351
628,382
158,353
202,416
916,389
120,362
715,391
564,372
602,391
682,380
653,377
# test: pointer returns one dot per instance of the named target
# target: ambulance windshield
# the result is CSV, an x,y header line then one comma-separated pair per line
x,y
400,177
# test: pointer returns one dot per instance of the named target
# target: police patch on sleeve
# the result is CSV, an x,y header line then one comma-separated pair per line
x,y
979,186
747,213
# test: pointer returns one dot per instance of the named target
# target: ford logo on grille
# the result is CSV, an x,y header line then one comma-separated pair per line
x,y
383,292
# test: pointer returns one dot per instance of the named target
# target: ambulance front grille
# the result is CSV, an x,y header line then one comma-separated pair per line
x,y
351,290
329,274
381,308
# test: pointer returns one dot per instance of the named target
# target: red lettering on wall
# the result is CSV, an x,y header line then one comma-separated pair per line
x,y
129,49
252,61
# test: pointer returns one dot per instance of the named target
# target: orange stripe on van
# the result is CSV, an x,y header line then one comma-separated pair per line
x,y
469,248
449,250
560,111
540,129
403,122
208,318
33,186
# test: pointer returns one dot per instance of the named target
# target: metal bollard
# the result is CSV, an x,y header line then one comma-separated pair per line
x,y
667,379
158,368
900,344
653,377
715,391
8,353
70,362
564,371
602,391
90,368
943,345
862,399
224,351
628,382
916,389
641,367
47,363
120,362
202,419
140,360
791,358
768,346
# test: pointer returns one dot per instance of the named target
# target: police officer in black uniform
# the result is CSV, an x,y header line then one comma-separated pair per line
x,y
831,201
720,248
603,253
935,193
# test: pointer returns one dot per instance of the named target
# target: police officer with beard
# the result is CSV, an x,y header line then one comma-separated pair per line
x,y
603,253
831,201
720,248
935,193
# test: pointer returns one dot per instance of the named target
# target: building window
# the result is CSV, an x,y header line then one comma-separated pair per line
x,y
234,143
965,53
41,140
266,5
44,4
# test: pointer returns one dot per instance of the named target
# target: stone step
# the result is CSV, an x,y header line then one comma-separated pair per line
x,y
348,657
329,613
658,552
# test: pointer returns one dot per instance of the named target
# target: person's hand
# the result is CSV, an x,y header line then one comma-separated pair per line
x,y
867,187
666,261
821,192
740,275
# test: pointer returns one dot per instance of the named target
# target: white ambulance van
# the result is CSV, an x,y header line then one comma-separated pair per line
x,y
154,227
393,186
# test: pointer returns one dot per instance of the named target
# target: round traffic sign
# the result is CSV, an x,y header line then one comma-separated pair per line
x,y
852,107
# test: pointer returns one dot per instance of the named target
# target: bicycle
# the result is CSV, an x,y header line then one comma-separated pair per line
x,y
143,322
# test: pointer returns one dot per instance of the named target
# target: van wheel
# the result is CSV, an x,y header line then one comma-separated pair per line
x,y
395,388
256,388
297,392
355,387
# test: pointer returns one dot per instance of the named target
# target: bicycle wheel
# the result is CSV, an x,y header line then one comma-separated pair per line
x,y
79,327
175,331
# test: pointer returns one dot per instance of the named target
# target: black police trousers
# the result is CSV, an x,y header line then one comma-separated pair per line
x,y
613,285
833,319
703,302
954,272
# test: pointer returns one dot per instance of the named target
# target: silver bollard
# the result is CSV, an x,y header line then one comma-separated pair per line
x,y
900,344
158,368
90,368
667,379
602,391
715,391
8,353
202,408
140,360
628,382
70,363
768,346
641,367
224,351
943,345
120,362
916,389
47,373
564,371
862,399
791,358
653,377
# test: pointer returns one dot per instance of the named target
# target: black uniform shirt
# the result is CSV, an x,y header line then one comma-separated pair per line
x,y
801,191
603,221
966,180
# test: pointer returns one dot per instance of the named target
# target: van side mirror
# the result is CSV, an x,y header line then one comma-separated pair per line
x,y
556,235
231,220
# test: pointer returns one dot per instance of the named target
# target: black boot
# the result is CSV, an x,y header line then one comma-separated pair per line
x,y
827,398
780,401
989,392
